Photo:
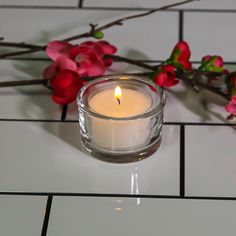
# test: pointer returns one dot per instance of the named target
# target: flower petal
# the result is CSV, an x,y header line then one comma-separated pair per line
x,y
107,47
55,49
65,87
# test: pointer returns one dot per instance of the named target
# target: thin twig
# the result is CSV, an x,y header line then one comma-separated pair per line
x,y
45,82
19,45
90,33
18,53
213,89
130,61
23,82
123,19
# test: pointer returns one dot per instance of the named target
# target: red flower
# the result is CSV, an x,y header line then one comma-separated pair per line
x,y
166,76
231,106
212,63
180,56
66,86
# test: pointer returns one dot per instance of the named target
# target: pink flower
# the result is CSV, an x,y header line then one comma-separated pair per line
x,y
56,49
60,64
88,60
166,76
231,106
88,57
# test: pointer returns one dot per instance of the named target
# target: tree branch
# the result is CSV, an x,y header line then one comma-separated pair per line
x,y
35,48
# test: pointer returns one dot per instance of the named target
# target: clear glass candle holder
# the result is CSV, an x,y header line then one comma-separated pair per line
x,y
121,129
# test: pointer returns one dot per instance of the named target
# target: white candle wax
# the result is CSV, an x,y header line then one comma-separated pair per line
x,y
119,134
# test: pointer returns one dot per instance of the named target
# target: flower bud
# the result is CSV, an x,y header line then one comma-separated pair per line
x,y
212,64
98,35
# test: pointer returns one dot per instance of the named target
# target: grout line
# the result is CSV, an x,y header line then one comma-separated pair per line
x,y
182,162
199,124
181,25
64,112
166,10
115,8
101,195
47,215
38,7
80,3
75,121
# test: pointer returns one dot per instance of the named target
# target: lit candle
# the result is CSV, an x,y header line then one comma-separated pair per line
x,y
121,117
120,103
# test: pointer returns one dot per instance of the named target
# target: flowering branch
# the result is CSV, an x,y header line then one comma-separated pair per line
x,y
93,32
74,65
122,20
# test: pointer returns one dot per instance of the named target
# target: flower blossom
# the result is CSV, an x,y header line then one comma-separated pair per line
x,y
212,63
66,86
231,106
180,56
166,76
71,62
86,59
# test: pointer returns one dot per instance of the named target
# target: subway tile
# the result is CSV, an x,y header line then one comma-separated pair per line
x,y
210,161
210,34
61,3
25,102
51,154
140,216
21,215
203,4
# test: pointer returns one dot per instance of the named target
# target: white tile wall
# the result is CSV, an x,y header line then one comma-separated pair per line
x,y
131,38
210,161
202,4
21,215
72,3
25,102
50,154
121,216
185,105
210,33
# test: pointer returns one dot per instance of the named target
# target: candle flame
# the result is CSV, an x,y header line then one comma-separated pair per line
x,y
118,93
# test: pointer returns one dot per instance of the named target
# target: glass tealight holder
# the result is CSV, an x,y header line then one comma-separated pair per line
x,y
121,128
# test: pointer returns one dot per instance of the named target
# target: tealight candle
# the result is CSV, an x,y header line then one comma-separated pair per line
x,y
120,103
121,117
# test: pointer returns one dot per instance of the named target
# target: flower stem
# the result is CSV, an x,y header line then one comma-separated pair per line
x,y
23,82
130,61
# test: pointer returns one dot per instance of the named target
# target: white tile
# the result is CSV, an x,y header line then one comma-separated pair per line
x,y
210,161
131,38
185,105
50,154
25,102
21,215
64,3
203,4
210,33
121,216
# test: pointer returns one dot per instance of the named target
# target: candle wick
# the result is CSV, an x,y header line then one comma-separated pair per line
x,y
118,100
